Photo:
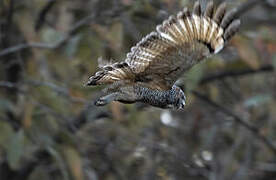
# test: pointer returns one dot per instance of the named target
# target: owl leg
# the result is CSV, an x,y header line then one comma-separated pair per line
x,y
106,99
117,96
173,98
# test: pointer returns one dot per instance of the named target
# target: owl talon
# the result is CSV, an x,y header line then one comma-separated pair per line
x,y
182,104
180,98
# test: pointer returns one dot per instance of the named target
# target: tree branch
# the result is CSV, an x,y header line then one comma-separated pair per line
x,y
43,13
240,10
225,74
254,130
59,90
55,45
246,6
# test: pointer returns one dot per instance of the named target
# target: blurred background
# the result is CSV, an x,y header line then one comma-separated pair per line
x,y
51,130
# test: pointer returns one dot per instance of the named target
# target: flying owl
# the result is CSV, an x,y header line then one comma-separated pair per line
x,y
152,67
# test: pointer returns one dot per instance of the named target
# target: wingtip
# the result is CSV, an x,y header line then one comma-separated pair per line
x,y
90,82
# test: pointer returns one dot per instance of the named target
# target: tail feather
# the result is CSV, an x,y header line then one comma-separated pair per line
x,y
110,74
212,27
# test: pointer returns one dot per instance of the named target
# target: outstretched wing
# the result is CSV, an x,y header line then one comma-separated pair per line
x,y
180,42
161,57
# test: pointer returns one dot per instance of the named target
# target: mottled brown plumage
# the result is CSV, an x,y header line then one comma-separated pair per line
x,y
180,42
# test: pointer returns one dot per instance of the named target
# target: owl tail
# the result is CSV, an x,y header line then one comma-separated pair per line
x,y
213,27
110,74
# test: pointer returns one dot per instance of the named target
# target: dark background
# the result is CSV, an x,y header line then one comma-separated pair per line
x,y
50,129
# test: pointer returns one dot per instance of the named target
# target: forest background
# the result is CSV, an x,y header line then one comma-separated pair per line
x,y
50,128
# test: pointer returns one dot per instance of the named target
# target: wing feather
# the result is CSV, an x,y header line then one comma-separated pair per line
x,y
181,42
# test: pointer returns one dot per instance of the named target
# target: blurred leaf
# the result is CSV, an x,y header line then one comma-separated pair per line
x,y
127,2
6,132
113,34
60,162
15,149
247,52
271,48
6,2
39,173
258,100
52,99
74,162
52,36
6,105
193,77
27,119
274,61
117,111
72,45
43,128
214,92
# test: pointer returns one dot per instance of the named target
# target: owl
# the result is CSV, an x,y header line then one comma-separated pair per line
x,y
151,68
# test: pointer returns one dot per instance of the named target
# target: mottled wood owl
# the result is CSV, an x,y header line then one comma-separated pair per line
x,y
151,69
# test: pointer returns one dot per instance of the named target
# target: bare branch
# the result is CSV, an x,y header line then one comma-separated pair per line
x,y
254,130
246,6
60,90
236,73
42,15
7,84
55,45
240,10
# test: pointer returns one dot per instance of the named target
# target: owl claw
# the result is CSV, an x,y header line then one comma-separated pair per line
x,y
180,97
182,104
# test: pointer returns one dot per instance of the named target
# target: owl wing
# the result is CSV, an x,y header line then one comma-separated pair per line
x,y
161,57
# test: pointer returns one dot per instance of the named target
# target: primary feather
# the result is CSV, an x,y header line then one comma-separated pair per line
x,y
180,42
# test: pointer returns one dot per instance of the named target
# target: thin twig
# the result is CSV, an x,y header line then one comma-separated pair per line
x,y
7,84
254,130
60,90
48,110
55,45
225,74
43,13
240,10
246,6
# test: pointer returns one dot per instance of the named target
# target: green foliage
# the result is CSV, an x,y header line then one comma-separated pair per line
x,y
193,77
6,132
274,60
15,149
51,130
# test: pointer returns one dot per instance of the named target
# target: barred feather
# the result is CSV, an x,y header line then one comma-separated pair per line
x,y
180,42
205,28
110,74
